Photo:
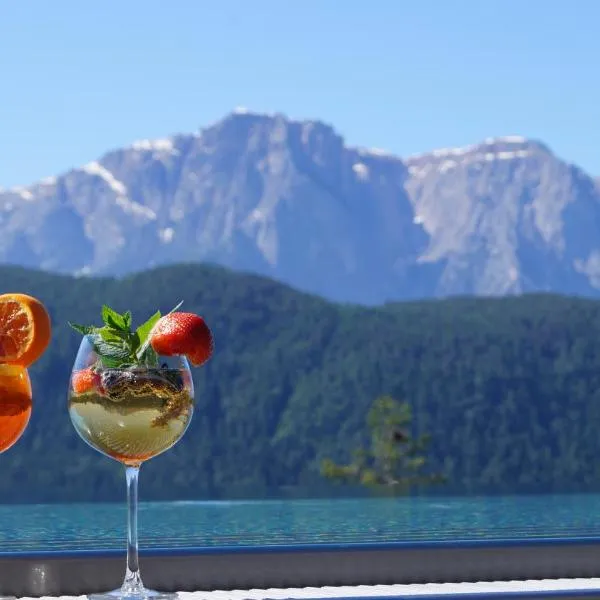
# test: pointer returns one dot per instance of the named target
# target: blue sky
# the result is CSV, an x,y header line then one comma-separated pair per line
x,y
79,78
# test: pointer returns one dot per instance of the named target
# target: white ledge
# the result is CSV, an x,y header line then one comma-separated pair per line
x,y
550,588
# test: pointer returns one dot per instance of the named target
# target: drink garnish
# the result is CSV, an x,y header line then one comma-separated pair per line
x,y
118,346
183,333
25,329
85,380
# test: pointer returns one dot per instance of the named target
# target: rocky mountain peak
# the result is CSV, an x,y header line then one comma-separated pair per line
x,y
289,199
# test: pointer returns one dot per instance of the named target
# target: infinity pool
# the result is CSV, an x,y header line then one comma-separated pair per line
x,y
239,523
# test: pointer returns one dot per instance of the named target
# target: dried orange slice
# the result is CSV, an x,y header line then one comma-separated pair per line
x,y
24,329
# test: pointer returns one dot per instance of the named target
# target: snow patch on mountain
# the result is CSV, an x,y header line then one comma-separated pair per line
x,y
120,190
361,170
165,145
166,235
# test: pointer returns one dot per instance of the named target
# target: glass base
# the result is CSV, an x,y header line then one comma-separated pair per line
x,y
137,594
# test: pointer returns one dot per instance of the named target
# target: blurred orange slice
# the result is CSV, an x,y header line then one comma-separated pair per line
x,y
24,329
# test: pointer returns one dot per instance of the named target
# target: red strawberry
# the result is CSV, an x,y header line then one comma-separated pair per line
x,y
84,381
183,333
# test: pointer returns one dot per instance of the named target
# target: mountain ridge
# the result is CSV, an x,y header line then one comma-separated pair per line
x,y
289,199
166,144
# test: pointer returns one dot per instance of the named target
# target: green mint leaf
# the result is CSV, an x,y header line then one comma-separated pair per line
x,y
143,331
108,334
83,329
112,362
113,319
127,319
122,339
134,342
115,353
149,357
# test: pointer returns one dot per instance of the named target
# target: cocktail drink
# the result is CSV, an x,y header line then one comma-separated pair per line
x,y
131,397
132,415
24,336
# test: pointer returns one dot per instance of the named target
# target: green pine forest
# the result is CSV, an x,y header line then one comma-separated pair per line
x,y
507,389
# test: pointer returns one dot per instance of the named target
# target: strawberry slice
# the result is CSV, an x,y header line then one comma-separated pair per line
x,y
183,333
85,381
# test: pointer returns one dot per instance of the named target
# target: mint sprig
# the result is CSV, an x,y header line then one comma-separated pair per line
x,y
116,344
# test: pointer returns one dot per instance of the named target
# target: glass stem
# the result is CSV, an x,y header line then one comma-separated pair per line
x,y
133,579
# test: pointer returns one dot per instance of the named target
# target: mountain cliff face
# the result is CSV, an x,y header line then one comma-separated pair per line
x,y
506,216
289,200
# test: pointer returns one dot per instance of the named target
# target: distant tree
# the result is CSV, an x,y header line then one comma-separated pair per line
x,y
394,458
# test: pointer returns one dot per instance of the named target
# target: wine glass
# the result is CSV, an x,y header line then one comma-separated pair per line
x,y
130,415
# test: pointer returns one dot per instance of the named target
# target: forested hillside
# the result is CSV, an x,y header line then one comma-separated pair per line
x,y
508,388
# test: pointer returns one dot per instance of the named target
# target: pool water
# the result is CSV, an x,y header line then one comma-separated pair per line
x,y
249,523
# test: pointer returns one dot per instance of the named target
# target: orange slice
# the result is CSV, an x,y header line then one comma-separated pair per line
x,y
24,329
